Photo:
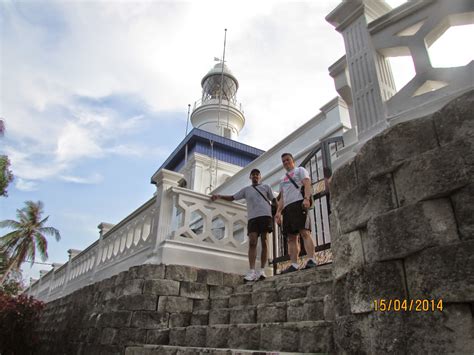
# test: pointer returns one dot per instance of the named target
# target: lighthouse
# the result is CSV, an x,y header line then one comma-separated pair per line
x,y
218,111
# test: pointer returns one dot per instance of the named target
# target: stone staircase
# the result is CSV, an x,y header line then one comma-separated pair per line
x,y
285,313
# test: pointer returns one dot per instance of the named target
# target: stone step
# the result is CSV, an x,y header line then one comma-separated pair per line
x,y
299,309
279,293
182,350
303,337
315,275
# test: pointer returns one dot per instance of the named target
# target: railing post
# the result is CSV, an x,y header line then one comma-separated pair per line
x,y
103,229
364,63
72,253
164,180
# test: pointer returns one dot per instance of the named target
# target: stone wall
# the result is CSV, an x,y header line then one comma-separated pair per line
x,y
135,307
403,228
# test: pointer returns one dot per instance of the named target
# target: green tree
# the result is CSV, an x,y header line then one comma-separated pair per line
x,y
27,238
6,175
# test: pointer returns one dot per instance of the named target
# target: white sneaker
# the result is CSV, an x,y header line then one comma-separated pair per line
x,y
261,275
251,275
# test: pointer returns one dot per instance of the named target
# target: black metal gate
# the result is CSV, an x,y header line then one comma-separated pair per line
x,y
319,165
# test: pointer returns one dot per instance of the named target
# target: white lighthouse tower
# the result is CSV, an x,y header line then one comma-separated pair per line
x,y
218,111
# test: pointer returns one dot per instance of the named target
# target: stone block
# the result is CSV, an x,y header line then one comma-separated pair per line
x,y
217,336
320,289
158,336
177,336
244,336
243,315
351,334
148,272
374,282
343,180
195,336
108,336
436,173
219,302
292,291
463,205
347,252
407,230
445,272
454,122
129,287
93,336
220,291
277,336
385,152
271,313
105,350
364,201
239,299
194,290
201,305
150,320
200,318
232,279
387,332
116,319
245,288
210,277
131,336
305,309
449,331
315,337
179,320
175,304
181,273
219,316
329,308
145,302
265,297
161,287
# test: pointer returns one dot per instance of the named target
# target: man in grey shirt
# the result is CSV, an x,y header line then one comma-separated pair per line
x,y
293,209
260,221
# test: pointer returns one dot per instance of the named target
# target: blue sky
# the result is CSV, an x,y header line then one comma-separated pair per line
x,y
94,94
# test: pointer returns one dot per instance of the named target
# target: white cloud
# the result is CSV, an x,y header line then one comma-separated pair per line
x,y
77,142
157,52
91,179
25,185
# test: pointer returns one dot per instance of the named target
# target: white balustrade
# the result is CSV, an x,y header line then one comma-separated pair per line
x,y
373,33
190,225
198,220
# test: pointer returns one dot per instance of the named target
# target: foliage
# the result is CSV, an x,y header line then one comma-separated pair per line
x,y
19,316
27,238
6,176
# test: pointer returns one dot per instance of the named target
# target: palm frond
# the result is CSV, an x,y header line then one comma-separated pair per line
x,y
41,245
50,231
9,223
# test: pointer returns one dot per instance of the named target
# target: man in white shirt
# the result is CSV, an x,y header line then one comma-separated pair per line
x,y
293,207
260,221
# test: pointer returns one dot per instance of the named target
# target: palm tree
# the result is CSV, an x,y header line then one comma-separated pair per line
x,y
27,238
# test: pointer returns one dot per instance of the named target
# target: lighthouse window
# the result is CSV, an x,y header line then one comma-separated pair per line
x,y
227,132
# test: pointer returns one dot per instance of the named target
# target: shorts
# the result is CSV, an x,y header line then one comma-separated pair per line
x,y
260,225
295,218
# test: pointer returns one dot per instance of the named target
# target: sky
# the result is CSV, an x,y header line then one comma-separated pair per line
x,y
94,94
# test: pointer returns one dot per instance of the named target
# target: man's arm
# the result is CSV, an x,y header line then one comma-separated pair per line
x,y
307,188
279,208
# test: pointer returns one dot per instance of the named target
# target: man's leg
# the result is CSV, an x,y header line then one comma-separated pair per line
x,y
264,254
308,243
253,239
293,248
